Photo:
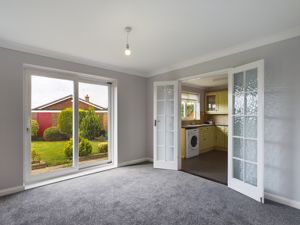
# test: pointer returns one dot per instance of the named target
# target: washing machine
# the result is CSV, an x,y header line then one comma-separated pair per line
x,y
192,143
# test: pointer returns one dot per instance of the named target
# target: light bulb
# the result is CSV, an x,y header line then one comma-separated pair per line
x,y
127,51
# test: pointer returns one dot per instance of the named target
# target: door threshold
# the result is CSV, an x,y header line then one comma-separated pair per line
x,y
206,178
84,172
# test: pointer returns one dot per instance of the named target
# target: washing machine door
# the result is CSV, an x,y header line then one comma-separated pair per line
x,y
194,142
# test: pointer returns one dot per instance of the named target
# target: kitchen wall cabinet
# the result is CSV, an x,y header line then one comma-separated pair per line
x,y
216,102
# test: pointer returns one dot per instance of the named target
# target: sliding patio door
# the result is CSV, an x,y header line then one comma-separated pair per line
x,y
166,125
68,123
246,130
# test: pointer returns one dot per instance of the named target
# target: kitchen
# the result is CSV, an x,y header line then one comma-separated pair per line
x,y
204,130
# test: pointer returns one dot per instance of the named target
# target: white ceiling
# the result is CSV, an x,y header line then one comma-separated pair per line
x,y
166,34
208,82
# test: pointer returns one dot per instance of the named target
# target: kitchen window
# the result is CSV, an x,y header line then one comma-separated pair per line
x,y
190,106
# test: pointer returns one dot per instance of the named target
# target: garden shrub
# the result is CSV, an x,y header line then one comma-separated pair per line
x,y
35,157
90,126
103,147
102,138
34,128
85,147
65,120
54,134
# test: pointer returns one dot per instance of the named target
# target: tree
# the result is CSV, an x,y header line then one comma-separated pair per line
x,y
34,128
90,126
65,120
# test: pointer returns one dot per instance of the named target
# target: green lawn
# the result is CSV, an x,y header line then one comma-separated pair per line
x,y
53,153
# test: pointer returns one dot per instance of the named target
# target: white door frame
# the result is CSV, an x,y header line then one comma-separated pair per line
x,y
28,71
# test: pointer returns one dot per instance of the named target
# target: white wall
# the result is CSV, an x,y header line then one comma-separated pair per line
x,y
131,111
282,106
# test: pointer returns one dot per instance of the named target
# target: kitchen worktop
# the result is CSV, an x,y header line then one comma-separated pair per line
x,y
201,125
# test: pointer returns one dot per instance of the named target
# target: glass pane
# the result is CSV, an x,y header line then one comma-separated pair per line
x,y
160,153
251,103
160,107
170,154
160,138
160,123
238,83
190,110
211,103
170,108
238,148
251,80
170,139
169,92
170,123
238,126
51,124
251,150
93,123
238,104
251,173
251,127
160,92
238,169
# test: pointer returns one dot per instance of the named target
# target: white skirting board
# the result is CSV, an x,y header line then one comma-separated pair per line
x,y
11,190
282,200
136,161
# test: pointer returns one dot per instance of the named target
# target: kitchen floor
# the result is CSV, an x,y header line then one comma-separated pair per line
x,y
211,165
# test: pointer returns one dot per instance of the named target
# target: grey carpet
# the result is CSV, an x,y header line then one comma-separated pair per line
x,y
139,195
211,165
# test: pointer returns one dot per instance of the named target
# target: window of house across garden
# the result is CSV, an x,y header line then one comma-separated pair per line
x,y
190,106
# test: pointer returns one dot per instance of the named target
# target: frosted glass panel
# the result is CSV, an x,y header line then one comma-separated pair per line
x,y
160,153
251,173
238,169
160,123
238,83
251,80
170,107
238,104
160,138
160,92
170,154
170,123
251,150
169,92
251,103
170,139
160,108
238,126
251,127
238,148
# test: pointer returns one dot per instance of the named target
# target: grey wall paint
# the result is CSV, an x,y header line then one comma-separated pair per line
x,y
131,111
282,105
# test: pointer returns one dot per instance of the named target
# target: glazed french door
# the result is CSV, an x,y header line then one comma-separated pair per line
x,y
246,130
166,125
68,123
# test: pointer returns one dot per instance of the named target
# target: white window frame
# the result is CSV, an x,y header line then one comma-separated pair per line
x,y
197,111
29,70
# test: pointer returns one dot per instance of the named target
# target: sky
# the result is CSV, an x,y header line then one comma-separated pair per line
x,y
45,90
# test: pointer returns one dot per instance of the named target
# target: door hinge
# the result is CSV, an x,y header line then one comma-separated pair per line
x,y
109,83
